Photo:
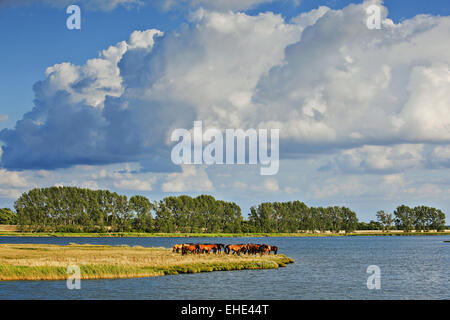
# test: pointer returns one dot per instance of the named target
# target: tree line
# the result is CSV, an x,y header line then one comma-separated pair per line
x,y
420,218
296,216
73,209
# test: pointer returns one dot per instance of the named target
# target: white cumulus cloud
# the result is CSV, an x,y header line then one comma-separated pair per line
x,y
323,78
378,158
12,184
191,179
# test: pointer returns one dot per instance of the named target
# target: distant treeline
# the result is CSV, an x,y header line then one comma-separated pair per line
x,y
296,216
72,209
7,216
420,218
293,216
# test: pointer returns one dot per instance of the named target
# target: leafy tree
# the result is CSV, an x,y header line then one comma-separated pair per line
x,y
375,225
262,217
404,218
336,218
385,219
349,219
164,219
7,217
427,219
438,221
142,209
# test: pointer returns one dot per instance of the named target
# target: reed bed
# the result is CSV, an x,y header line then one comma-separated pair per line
x,y
50,262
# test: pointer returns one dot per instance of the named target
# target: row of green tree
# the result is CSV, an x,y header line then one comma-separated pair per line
x,y
72,209
420,218
296,216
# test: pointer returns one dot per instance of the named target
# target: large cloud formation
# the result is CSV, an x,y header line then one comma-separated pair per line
x,y
324,79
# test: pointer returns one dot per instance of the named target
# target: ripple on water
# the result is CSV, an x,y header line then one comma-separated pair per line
x,y
324,268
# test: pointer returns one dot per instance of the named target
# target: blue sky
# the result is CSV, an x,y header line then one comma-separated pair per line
x,y
392,149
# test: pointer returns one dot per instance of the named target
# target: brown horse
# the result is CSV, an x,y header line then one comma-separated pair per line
x,y
274,249
220,246
252,248
177,248
257,248
236,248
264,249
188,248
207,248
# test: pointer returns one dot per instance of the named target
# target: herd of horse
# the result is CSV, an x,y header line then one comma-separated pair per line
x,y
249,248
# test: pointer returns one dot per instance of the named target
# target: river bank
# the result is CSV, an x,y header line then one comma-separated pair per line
x,y
8,233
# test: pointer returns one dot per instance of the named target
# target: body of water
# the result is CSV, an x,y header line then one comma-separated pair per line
x,y
411,267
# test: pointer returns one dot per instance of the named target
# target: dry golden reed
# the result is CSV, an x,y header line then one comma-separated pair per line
x,y
50,262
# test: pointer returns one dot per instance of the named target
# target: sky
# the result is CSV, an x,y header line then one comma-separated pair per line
x,y
363,114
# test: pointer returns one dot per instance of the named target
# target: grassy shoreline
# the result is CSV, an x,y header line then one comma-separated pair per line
x,y
50,262
214,235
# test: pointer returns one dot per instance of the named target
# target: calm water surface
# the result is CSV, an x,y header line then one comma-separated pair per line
x,y
324,268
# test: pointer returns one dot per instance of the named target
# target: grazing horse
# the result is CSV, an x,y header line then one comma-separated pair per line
x,y
177,248
207,248
264,249
257,248
236,248
244,249
189,248
220,246
253,248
